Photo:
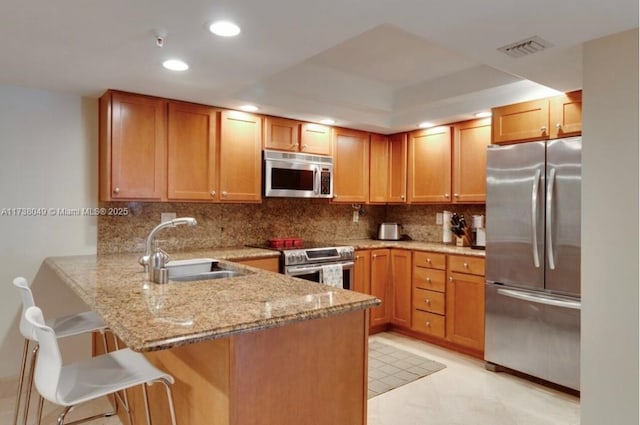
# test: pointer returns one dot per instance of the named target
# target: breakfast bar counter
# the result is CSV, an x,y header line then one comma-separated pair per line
x,y
259,348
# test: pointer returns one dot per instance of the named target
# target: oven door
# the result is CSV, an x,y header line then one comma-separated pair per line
x,y
313,272
290,179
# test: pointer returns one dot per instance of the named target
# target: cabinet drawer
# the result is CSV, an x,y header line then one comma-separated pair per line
x,y
470,265
429,259
430,301
428,323
428,279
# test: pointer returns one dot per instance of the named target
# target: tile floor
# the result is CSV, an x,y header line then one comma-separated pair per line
x,y
463,393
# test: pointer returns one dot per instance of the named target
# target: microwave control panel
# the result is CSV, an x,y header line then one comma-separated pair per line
x,y
325,182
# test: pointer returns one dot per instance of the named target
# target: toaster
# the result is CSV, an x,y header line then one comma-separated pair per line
x,y
389,232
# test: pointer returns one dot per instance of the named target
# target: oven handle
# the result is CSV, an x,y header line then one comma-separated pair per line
x,y
293,271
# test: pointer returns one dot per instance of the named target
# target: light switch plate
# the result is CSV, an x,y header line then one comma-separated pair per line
x,y
167,216
438,218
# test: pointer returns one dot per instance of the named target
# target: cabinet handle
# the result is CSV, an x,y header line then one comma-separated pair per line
x,y
543,129
446,195
427,301
401,196
428,323
357,257
450,278
116,190
224,193
213,193
429,279
456,195
429,260
304,146
465,265
374,256
559,126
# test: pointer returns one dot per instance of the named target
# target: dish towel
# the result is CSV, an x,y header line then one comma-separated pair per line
x,y
332,275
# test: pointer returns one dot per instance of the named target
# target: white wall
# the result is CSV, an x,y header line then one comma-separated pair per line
x,y
48,159
610,254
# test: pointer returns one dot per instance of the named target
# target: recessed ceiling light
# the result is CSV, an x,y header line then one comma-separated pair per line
x,y
175,65
327,121
483,114
224,29
426,124
249,108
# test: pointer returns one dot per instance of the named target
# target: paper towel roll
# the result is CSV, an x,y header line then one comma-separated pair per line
x,y
447,236
478,222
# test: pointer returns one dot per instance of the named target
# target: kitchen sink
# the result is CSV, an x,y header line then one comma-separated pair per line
x,y
201,269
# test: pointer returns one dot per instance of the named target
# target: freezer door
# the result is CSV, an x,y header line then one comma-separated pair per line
x,y
515,214
562,227
534,333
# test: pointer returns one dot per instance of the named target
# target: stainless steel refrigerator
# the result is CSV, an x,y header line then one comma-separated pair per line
x,y
533,259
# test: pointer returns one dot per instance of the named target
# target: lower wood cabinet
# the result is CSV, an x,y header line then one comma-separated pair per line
x,y
380,286
401,287
465,310
362,272
270,264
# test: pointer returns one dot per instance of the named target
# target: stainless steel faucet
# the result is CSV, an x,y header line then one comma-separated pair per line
x,y
145,259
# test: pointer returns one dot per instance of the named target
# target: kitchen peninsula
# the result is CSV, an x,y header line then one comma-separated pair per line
x,y
260,348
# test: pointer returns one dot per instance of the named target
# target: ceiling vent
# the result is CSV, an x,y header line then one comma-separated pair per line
x,y
525,47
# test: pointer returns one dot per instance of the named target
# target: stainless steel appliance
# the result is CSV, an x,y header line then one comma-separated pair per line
x,y
533,259
389,232
312,261
296,175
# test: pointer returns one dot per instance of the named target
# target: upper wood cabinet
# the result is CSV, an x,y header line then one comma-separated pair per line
x,y
397,169
470,142
380,286
521,122
550,118
240,157
132,147
565,115
315,138
281,134
192,172
430,165
350,166
379,169
401,287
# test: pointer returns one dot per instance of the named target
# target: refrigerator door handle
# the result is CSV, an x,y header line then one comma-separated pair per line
x,y
534,219
576,305
552,178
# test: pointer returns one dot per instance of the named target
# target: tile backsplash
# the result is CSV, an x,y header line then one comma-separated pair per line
x,y
233,225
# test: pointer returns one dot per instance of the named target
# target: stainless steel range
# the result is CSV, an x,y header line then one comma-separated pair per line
x,y
317,262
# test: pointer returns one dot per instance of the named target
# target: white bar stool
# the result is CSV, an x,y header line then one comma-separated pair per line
x,y
89,379
70,325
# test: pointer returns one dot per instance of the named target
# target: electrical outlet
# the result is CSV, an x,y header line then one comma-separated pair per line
x,y
356,216
438,218
167,216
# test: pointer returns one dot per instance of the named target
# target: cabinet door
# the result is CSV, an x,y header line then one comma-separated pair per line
x,y
192,145
401,285
380,286
315,138
351,166
378,169
362,272
565,115
240,157
470,143
521,122
397,169
430,165
465,310
281,134
133,147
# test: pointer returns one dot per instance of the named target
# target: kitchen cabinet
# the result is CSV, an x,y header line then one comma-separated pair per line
x,y
401,286
362,271
379,169
270,264
192,170
565,115
315,138
470,142
465,302
428,286
132,147
240,157
430,166
380,286
550,118
397,169
281,134
350,166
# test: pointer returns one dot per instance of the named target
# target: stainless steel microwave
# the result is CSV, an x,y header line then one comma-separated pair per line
x,y
297,175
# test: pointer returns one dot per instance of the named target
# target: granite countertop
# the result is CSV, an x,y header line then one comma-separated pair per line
x,y
414,245
149,316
